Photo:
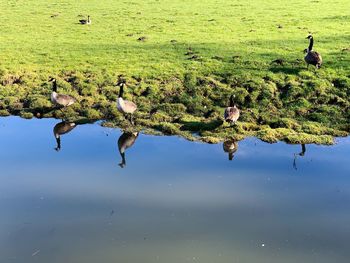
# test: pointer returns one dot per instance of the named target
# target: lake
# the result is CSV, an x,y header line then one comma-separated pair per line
x,y
170,201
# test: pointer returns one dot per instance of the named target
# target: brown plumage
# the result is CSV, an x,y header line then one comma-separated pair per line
x,y
232,113
60,129
60,99
312,57
125,141
125,106
230,147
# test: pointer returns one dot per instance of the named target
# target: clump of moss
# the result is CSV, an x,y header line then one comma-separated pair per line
x,y
91,114
26,115
4,113
38,102
168,128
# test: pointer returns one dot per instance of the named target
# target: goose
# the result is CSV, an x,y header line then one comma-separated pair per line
x,y
125,106
85,22
60,99
312,57
232,113
230,147
60,129
125,141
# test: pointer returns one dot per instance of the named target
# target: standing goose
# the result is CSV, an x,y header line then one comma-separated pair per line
x,y
85,22
60,99
230,147
60,129
312,57
231,114
125,106
125,141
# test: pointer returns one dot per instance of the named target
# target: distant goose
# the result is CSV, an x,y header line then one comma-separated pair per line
x,y
230,147
125,141
60,129
312,57
125,106
232,113
85,22
60,99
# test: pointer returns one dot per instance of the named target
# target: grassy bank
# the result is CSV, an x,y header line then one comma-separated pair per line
x,y
182,60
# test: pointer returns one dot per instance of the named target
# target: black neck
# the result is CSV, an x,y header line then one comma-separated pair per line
x,y
231,101
121,90
303,150
54,86
123,163
58,140
311,43
230,156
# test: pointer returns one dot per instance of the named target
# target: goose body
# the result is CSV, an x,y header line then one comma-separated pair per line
x,y
85,21
60,129
312,57
230,147
60,99
231,114
125,141
125,106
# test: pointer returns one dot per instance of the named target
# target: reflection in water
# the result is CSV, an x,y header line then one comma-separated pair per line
x,y
60,129
178,203
125,141
230,147
302,153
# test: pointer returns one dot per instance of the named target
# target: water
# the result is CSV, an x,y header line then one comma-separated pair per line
x,y
174,200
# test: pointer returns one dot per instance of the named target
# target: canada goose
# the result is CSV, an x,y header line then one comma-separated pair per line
x,y
125,141
60,99
85,22
125,106
60,129
302,153
230,147
312,57
231,114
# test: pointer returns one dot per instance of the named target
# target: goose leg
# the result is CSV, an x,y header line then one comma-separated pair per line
x,y
61,109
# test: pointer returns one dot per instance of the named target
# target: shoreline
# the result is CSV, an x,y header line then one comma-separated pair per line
x,y
311,107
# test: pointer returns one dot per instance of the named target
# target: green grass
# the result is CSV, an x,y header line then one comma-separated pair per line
x,y
234,43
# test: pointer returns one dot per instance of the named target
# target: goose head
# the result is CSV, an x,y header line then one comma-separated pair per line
x,y
309,36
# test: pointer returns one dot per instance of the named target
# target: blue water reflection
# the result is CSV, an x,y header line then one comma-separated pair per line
x,y
173,201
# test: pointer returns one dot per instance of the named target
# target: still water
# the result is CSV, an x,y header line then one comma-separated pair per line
x,y
173,201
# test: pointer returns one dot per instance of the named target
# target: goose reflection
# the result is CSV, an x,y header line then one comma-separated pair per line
x,y
60,129
302,153
125,141
230,147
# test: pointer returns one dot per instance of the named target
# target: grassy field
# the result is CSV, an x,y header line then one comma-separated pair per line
x,y
192,56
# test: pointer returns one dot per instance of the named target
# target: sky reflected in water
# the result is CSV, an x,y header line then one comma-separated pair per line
x,y
174,200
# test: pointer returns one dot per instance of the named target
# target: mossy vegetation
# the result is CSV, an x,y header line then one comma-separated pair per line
x,y
295,108
182,76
